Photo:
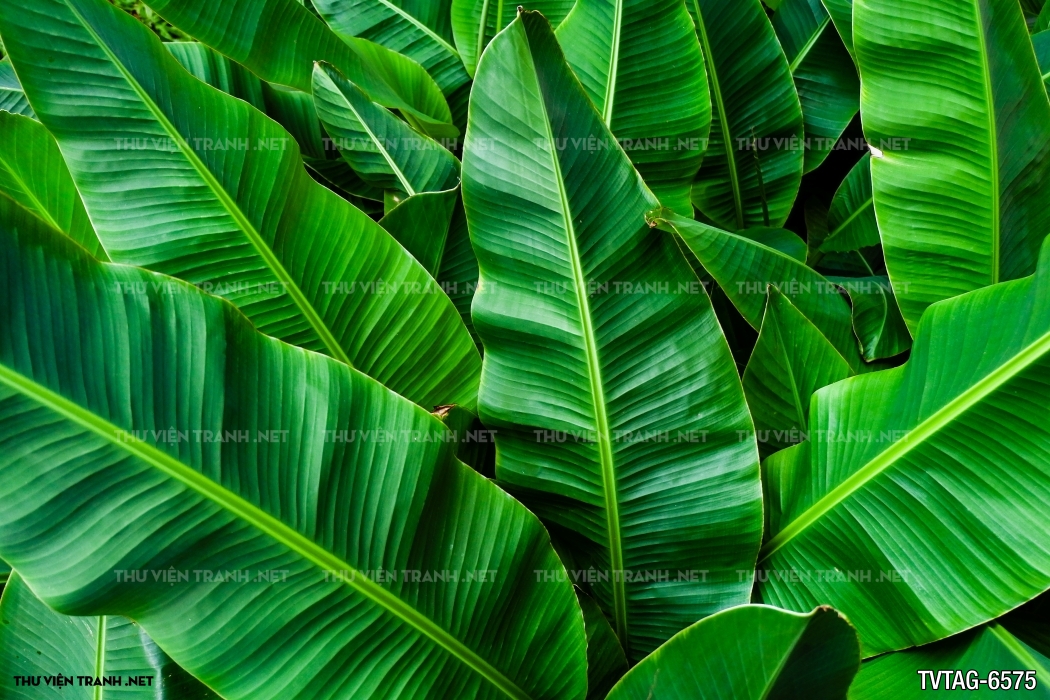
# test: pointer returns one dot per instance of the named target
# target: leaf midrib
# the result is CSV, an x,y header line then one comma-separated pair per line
x,y
228,204
261,521
927,429
1014,646
723,122
401,177
420,26
100,654
849,220
601,417
614,63
808,46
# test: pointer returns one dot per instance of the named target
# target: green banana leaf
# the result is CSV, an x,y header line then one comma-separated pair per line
x,y
292,109
5,574
825,77
436,14
389,23
752,652
476,22
791,360
606,662
841,12
1042,22
381,148
744,269
877,319
458,275
954,103
313,532
34,177
421,224
851,218
753,167
1041,44
1013,650
284,40
616,47
617,409
12,99
36,641
888,513
185,180
787,242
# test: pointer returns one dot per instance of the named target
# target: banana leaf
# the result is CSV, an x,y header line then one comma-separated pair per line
x,y
824,75
616,404
36,641
877,319
606,662
12,99
1012,652
753,167
33,177
752,652
954,104
918,507
841,12
283,40
1041,44
476,22
183,179
421,224
616,47
312,531
851,218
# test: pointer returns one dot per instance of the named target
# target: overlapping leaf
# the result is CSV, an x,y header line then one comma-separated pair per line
x,y
148,428
618,410
753,167
12,99
752,652
622,49
923,488
476,22
851,218
185,180
954,102
35,641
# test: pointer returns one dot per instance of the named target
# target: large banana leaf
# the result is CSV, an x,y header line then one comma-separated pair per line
x,y
618,410
149,429
824,74
752,652
279,40
180,178
36,641
421,224
12,99
34,177
620,49
954,101
475,22
1013,650
381,148
791,360
877,319
918,508
753,167
851,218
389,23
744,268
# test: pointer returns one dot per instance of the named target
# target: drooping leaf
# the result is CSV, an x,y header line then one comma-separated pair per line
x,y
621,50
616,404
12,99
744,269
1012,651
954,102
36,641
381,148
421,224
283,39
34,177
877,320
606,662
390,23
150,428
476,22
185,180
851,218
925,487
753,167
824,75
751,652
791,360
841,12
